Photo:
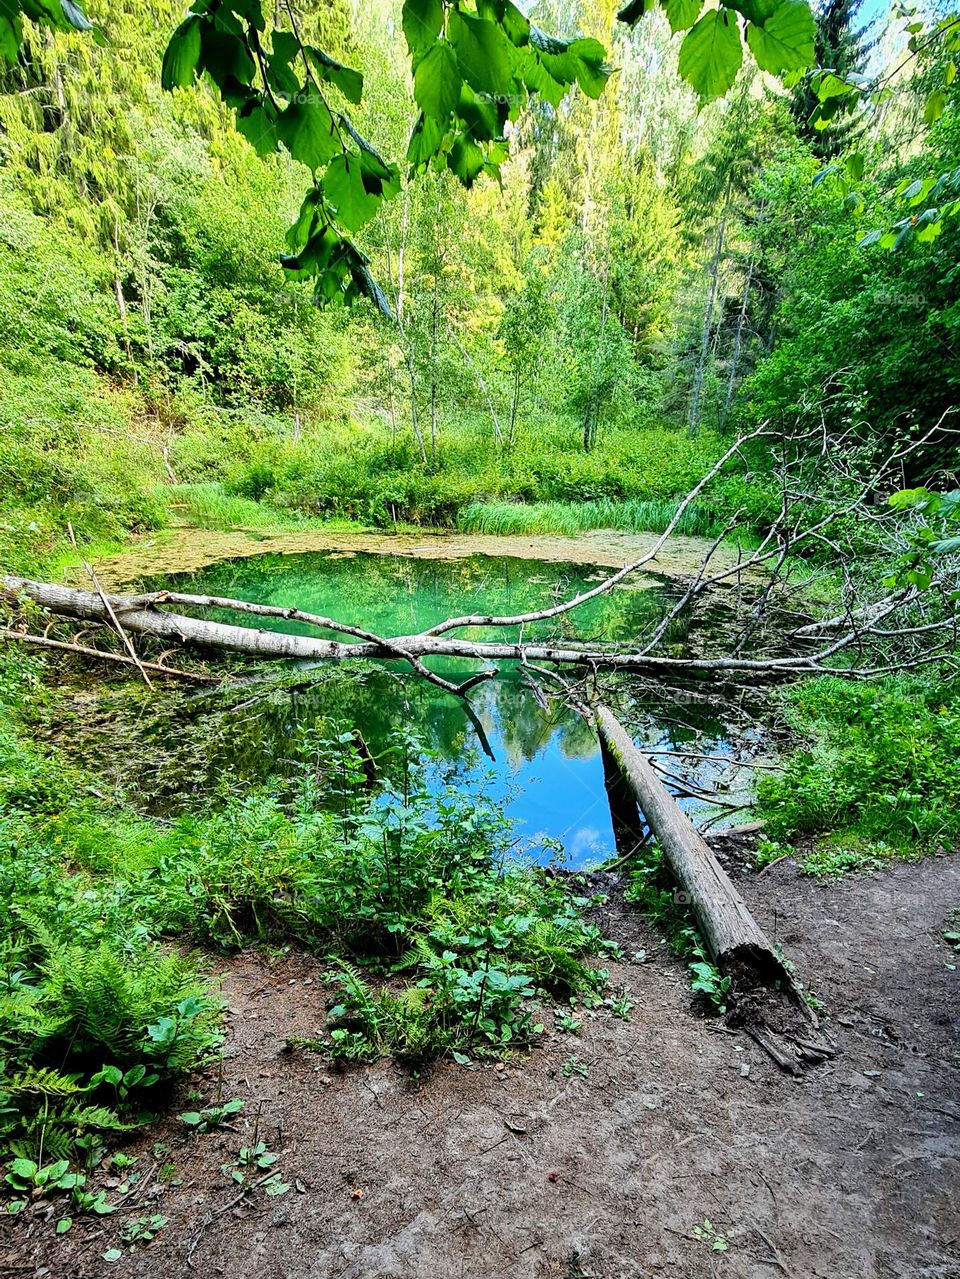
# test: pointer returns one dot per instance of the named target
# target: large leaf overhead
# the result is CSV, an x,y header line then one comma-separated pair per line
x,y
785,40
475,64
58,15
779,35
711,54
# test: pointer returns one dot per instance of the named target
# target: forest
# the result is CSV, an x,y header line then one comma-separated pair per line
x,y
479,690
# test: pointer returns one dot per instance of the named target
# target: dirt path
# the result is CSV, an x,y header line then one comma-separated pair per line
x,y
524,1172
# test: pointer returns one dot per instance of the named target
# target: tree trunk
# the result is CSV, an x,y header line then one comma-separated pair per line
x,y
514,405
765,999
143,615
693,421
737,346
406,342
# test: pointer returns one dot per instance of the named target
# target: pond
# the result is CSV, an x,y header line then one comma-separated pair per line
x,y
541,761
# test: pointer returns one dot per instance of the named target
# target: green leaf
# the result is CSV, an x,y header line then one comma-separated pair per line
x,y
568,62
11,36
484,54
592,69
711,54
785,41
181,57
466,159
344,188
514,24
936,103
75,16
422,23
682,14
366,285
112,1254
63,1225
856,163
425,140
306,128
436,85
346,79
831,86
257,122
226,59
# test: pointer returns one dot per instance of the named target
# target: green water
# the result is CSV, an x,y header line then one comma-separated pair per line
x,y
544,765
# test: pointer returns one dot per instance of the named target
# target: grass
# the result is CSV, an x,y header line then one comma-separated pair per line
x,y
641,515
208,505
875,776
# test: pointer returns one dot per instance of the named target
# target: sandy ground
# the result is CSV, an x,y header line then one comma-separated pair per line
x,y
522,1172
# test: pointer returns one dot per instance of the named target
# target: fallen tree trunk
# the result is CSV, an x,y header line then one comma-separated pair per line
x,y
765,999
146,615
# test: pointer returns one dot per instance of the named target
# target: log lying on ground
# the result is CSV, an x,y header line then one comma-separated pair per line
x,y
149,615
765,999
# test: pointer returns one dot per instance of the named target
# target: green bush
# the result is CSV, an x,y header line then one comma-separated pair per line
x,y
880,769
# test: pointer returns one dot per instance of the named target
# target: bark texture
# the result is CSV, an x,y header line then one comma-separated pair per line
x,y
765,1000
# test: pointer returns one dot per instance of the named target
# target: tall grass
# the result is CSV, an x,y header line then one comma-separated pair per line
x,y
208,505
641,515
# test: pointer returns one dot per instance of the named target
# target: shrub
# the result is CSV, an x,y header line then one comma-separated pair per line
x,y
880,767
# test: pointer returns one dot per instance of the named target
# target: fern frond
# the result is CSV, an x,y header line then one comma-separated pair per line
x,y
41,1081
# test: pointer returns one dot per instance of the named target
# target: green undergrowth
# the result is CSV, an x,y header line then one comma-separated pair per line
x,y
876,775
208,505
652,889
414,885
637,516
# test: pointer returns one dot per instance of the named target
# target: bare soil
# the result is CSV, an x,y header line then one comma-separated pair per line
x,y
525,1171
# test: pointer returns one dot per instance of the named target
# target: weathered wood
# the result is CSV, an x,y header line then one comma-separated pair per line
x,y
147,615
83,650
765,998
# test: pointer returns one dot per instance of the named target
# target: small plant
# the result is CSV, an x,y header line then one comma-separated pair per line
x,y
29,1181
137,1231
94,1201
621,1005
124,1082
707,1233
251,1157
567,1024
212,1116
252,1160
574,1066
951,933
707,981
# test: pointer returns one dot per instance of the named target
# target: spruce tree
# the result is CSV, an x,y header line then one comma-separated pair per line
x,y
842,45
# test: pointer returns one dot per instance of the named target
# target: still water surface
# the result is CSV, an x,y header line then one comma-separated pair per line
x,y
544,766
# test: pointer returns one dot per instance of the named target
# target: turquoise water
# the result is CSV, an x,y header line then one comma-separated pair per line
x,y
543,765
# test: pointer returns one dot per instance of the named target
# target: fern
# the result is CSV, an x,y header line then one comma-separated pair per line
x,y
43,1112
41,1081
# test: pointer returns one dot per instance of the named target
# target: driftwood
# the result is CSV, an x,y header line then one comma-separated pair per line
x,y
765,999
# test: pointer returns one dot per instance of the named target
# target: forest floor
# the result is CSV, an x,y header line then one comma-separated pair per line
x,y
524,1170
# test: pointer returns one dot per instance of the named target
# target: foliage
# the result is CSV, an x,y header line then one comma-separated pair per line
x,y
951,931
636,516
96,1014
652,889
876,776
